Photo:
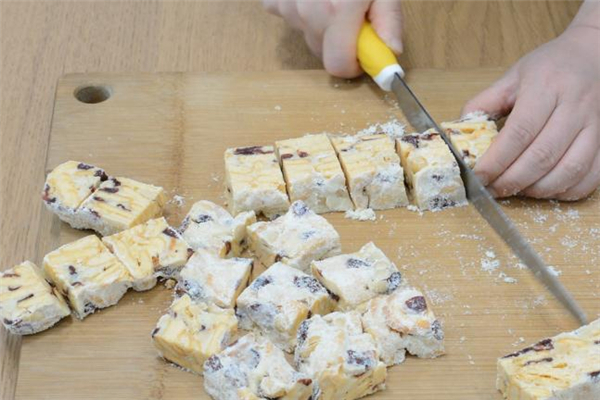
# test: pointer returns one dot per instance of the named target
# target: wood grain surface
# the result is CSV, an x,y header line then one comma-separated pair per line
x,y
42,40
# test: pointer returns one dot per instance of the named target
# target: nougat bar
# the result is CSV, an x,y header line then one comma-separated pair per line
x,y
192,332
254,369
279,300
339,356
431,172
296,238
87,274
471,136
372,167
28,302
565,367
313,174
210,227
403,321
148,251
357,277
254,181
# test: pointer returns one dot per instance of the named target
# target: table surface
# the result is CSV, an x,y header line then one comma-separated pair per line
x,y
42,40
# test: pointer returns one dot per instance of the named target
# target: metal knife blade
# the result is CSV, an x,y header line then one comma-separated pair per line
x,y
485,204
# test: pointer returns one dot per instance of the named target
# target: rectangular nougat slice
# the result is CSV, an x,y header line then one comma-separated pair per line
x,y
339,356
279,300
28,302
565,367
372,167
253,369
471,136
358,277
313,174
255,182
148,251
68,185
296,238
210,227
119,204
210,279
87,274
403,321
432,173
192,332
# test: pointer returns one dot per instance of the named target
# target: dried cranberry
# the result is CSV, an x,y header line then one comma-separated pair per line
x,y
227,247
394,281
417,304
11,275
542,345
110,189
202,218
260,282
84,166
101,174
72,270
155,331
412,139
436,328
247,151
303,331
170,232
302,154
357,263
308,282
547,359
595,375
13,288
299,208
286,156
305,381
25,298
122,207
213,364
361,358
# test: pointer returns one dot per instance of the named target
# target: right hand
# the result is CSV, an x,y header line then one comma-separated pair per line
x,y
331,27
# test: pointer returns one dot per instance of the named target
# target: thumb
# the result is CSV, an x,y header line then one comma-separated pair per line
x,y
386,18
497,100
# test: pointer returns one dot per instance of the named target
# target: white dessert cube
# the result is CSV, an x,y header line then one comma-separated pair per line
x,y
471,136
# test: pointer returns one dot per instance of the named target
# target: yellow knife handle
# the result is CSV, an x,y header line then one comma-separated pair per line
x,y
376,58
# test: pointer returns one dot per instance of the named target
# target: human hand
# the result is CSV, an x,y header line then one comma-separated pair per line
x,y
331,27
550,144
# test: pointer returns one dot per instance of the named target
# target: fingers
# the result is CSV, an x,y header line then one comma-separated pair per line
x,y
531,112
571,169
386,18
546,150
271,6
339,41
586,186
498,99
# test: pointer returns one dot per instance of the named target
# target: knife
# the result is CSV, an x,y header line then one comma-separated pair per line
x,y
380,63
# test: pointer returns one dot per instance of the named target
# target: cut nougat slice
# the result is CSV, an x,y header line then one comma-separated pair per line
x,y
68,185
566,366
255,182
372,167
28,302
119,204
210,279
358,277
401,322
210,227
313,174
471,136
432,173
87,274
253,369
148,251
339,356
192,332
279,300
296,238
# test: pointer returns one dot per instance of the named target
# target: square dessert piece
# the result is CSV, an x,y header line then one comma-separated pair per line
x,y
432,173
210,227
296,238
251,369
255,182
192,332
210,279
566,366
375,176
87,274
28,303
358,277
313,174
150,250
339,356
119,204
401,322
279,300
68,185
471,136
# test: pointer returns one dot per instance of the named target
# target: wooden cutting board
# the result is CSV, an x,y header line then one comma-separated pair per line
x,y
171,129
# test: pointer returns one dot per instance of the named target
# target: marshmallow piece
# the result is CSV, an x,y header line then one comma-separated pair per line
x,y
87,274
279,300
190,333
471,136
150,250
28,302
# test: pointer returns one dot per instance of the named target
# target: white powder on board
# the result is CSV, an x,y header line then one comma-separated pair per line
x,y
366,214
177,200
393,128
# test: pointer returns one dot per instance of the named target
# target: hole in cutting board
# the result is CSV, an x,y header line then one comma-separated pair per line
x,y
92,94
